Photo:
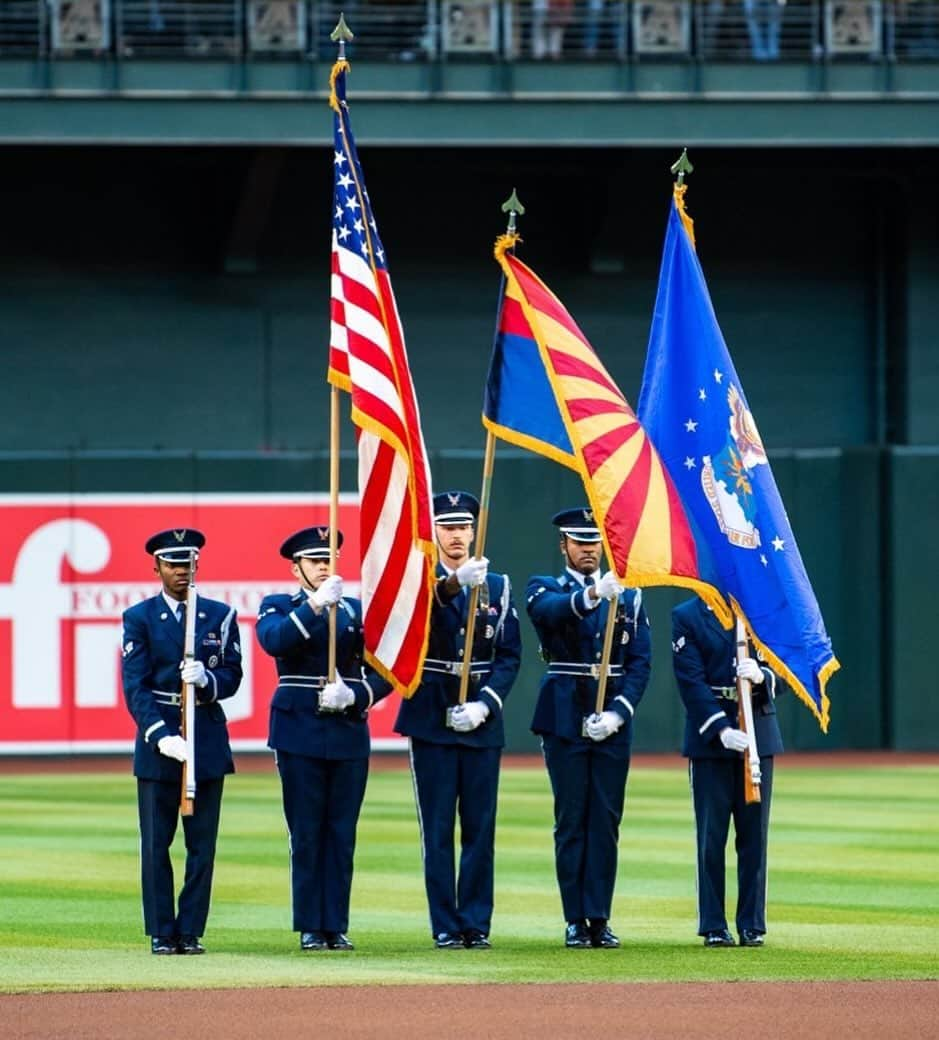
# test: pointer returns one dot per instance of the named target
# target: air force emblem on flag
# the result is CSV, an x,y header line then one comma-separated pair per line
x,y
727,476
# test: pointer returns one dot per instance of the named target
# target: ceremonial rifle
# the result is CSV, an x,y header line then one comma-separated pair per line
x,y
187,704
752,776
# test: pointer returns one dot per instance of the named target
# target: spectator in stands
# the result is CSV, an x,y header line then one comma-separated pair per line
x,y
763,22
550,19
592,22
918,27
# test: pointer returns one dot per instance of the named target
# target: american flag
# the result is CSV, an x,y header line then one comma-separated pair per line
x,y
368,359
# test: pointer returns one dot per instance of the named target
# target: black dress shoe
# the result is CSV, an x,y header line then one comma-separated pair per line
x,y
313,941
161,945
448,941
338,941
576,936
189,944
475,940
748,937
719,937
601,937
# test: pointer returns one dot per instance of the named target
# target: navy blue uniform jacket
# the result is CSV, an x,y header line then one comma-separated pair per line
x,y
570,633
293,633
152,645
703,656
497,654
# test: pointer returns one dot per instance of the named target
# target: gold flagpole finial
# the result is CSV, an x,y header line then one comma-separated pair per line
x,y
682,166
342,35
507,241
513,207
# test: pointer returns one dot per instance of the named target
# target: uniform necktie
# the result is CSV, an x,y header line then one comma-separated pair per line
x,y
181,613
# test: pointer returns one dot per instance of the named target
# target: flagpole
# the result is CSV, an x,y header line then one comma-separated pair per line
x,y
752,775
333,519
513,207
339,35
607,651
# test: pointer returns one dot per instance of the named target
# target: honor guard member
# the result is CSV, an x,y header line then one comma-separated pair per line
x,y
456,749
319,734
587,753
153,671
703,656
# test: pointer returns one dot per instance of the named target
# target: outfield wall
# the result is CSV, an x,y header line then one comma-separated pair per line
x,y
156,300
864,536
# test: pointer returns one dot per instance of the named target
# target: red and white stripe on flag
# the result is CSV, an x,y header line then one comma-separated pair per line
x,y
369,360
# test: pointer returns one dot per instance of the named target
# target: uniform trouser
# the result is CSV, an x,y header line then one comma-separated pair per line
x,y
158,811
447,777
718,794
322,798
589,788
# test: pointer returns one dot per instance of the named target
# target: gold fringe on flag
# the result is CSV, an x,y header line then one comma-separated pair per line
x,y
341,66
679,193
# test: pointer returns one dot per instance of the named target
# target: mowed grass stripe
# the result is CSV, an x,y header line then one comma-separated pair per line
x,y
852,887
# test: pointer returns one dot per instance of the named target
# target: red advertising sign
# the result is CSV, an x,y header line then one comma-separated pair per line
x,y
70,566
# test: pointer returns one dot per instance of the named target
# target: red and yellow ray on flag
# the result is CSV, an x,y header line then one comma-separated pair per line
x,y
645,531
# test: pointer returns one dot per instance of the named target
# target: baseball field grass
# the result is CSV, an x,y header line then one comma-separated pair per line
x,y
853,891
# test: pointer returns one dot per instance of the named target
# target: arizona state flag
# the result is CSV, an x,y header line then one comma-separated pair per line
x,y
547,391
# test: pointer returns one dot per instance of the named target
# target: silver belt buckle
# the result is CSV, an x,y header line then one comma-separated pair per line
x,y
595,671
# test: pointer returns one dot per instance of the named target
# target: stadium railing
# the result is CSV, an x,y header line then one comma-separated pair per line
x,y
477,30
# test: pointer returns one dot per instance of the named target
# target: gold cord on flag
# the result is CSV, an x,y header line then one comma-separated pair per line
x,y
341,66
504,243
679,193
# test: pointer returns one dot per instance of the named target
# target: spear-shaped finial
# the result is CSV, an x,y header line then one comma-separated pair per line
x,y
341,35
513,207
682,166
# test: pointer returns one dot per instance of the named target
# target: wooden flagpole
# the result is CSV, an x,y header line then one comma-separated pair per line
x,y
333,518
607,651
340,35
481,525
514,208
751,759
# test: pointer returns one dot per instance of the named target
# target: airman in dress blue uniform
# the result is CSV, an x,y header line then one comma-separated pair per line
x,y
587,752
703,656
153,671
319,734
456,750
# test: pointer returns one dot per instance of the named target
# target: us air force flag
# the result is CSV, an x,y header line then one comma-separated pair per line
x,y
696,413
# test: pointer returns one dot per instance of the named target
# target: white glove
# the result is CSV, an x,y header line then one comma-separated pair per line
x,y
172,747
734,739
336,696
604,725
473,572
328,594
194,672
749,669
608,587
469,716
